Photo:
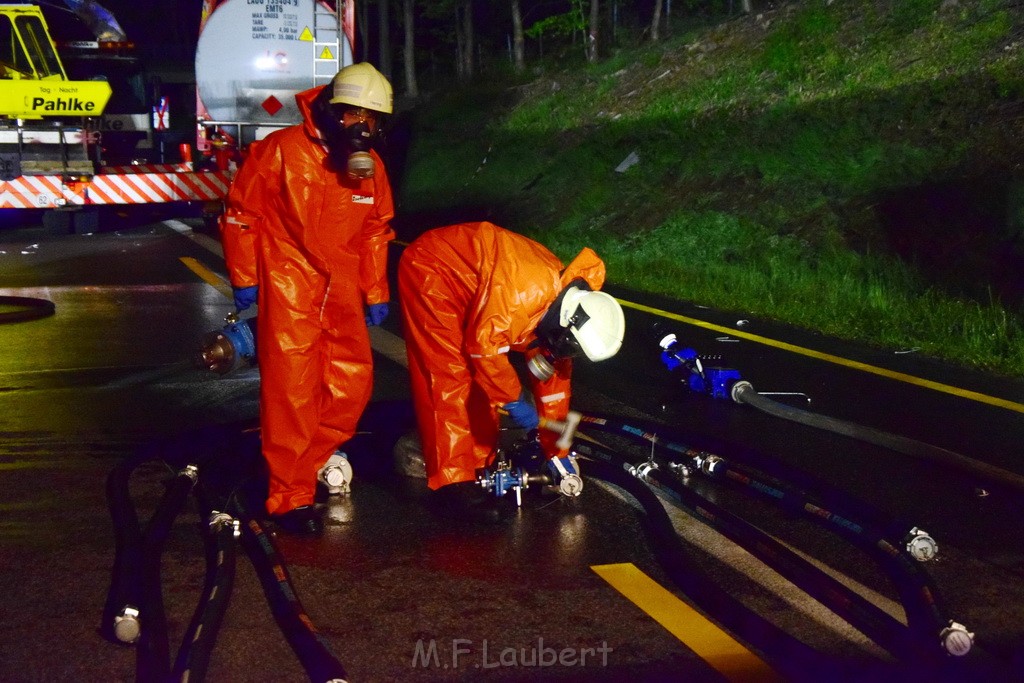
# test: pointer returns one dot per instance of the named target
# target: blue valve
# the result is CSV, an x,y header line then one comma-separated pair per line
x,y
502,479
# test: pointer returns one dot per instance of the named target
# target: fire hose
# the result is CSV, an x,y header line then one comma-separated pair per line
x,y
722,382
898,558
134,613
920,653
24,308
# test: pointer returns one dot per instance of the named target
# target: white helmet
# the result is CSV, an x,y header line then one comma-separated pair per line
x,y
361,85
595,320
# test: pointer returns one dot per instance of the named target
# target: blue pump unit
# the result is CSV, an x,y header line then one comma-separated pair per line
x,y
714,381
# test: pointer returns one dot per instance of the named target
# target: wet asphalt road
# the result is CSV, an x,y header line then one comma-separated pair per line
x,y
110,373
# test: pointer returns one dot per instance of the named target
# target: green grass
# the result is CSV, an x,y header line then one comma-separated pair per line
x,y
765,151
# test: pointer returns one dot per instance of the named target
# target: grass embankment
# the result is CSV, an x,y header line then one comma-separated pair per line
x,y
780,157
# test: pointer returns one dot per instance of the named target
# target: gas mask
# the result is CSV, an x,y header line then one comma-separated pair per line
x,y
360,139
542,365
580,322
554,340
348,132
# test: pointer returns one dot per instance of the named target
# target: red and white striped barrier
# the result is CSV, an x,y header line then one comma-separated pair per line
x,y
182,167
51,191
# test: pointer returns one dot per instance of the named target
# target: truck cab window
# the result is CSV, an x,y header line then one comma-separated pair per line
x,y
40,50
13,59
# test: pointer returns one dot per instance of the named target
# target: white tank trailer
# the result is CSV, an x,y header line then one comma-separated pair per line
x,y
253,56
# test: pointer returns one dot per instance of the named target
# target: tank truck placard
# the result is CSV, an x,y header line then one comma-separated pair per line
x,y
275,19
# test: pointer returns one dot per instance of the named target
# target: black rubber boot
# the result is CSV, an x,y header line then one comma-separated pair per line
x,y
306,520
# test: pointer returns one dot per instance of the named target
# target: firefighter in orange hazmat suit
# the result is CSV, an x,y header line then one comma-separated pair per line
x,y
470,293
305,233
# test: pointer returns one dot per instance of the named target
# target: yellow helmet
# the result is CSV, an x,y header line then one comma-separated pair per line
x,y
361,85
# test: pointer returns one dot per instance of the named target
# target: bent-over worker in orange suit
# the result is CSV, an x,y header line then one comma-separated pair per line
x,y
306,232
470,294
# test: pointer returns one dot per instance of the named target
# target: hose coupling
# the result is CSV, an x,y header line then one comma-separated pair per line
x,y
709,463
570,485
681,470
336,474
565,471
219,520
643,470
190,471
956,639
740,389
228,348
126,624
921,546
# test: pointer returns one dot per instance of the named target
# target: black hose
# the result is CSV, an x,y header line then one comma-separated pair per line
x,y
196,649
153,657
918,594
920,661
866,617
659,436
124,586
743,392
793,658
311,648
29,308
136,574
863,615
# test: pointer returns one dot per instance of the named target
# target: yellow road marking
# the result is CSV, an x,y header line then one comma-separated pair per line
x,y
716,647
208,276
225,289
891,374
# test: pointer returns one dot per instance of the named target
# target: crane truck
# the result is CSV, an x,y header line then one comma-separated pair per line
x,y
252,57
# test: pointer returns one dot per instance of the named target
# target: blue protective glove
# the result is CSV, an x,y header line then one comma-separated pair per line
x,y
245,296
375,314
523,413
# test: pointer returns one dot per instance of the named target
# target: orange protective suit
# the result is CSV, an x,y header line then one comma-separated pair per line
x,y
470,293
316,244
